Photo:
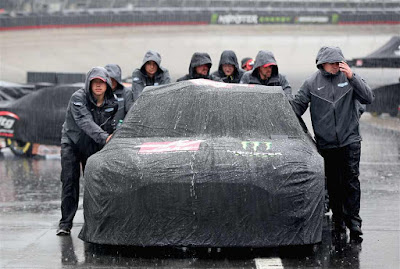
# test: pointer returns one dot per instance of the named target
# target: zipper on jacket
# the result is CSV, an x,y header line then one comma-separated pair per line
x,y
334,110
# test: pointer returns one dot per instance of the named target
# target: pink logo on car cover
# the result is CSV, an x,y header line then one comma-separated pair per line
x,y
216,84
158,147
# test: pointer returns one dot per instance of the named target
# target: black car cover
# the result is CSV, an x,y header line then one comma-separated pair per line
x,y
387,56
203,163
37,117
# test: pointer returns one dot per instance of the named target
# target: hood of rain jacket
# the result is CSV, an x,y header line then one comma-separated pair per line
x,y
228,57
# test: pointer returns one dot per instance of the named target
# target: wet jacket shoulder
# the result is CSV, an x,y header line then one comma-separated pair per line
x,y
123,95
252,77
333,100
140,79
84,119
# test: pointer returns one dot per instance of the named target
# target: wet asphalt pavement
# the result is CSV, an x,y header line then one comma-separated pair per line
x,y
29,213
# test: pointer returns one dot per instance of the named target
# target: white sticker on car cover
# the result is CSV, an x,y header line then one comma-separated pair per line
x,y
172,146
216,84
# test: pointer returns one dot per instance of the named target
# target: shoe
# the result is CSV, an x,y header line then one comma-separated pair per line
x,y
63,231
355,234
355,238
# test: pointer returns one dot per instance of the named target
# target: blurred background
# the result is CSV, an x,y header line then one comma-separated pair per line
x,y
75,35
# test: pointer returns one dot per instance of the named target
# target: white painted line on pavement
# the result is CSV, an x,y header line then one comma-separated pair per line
x,y
269,263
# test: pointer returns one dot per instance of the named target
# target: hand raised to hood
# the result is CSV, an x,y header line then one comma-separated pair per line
x,y
345,68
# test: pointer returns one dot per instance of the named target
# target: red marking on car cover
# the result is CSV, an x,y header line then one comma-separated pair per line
x,y
181,145
9,114
216,84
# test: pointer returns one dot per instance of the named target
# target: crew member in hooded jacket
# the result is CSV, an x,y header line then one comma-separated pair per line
x,y
228,68
123,95
199,67
151,73
265,72
333,93
88,126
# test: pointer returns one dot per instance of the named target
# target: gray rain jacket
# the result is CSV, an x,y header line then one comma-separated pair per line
x,y
198,58
228,57
333,102
252,77
86,125
123,95
140,79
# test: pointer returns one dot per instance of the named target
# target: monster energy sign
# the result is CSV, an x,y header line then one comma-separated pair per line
x,y
255,145
255,148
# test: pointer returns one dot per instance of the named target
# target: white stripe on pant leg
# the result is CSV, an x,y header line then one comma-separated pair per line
x,y
268,263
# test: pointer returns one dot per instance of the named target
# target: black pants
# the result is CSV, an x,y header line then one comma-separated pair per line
x,y
342,171
71,161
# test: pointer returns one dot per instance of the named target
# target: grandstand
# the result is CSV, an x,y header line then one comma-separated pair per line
x,y
30,14
51,6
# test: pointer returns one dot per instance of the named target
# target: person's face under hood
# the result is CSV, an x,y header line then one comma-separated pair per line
x,y
265,71
98,88
151,68
332,68
228,69
202,69
114,84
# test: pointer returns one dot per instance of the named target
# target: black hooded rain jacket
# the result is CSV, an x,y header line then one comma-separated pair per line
x,y
333,102
228,57
140,79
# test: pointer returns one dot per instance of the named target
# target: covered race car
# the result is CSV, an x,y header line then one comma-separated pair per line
x,y
206,164
387,97
35,118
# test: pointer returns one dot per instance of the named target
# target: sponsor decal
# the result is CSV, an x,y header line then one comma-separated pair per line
x,y
248,19
275,19
335,18
255,144
7,121
216,84
234,19
255,148
312,19
172,146
341,85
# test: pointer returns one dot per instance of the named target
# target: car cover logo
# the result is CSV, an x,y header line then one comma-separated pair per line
x,y
216,84
255,148
7,121
172,146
